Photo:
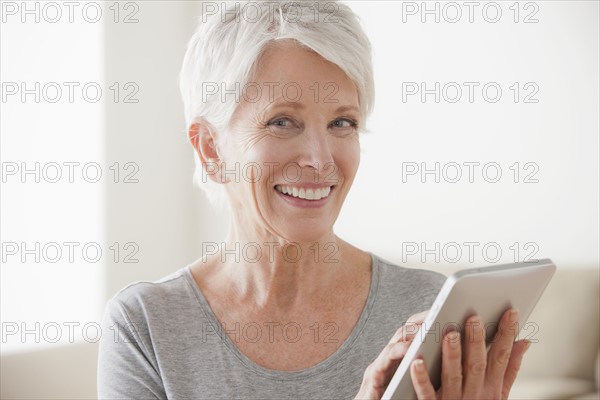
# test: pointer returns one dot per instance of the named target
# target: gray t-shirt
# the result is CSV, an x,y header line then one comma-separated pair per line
x,y
161,340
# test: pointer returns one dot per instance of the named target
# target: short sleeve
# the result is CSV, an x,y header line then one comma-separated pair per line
x,y
126,367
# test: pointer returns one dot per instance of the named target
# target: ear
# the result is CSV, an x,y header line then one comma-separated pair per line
x,y
203,140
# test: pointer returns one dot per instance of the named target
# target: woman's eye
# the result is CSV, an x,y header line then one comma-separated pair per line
x,y
281,122
344,123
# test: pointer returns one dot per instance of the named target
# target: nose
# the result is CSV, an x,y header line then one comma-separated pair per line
x,y
316,152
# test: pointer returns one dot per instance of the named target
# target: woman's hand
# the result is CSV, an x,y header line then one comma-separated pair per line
x,y
481,374
379,373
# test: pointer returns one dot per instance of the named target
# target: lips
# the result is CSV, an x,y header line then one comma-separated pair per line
x,y
304,193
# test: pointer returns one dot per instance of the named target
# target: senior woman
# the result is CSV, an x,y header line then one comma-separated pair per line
x,y
275,97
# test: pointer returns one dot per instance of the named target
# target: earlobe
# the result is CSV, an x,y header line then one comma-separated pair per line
x,y
203,140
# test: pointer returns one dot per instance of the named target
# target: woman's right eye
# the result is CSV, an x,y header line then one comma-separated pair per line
x,y
285,124
282,122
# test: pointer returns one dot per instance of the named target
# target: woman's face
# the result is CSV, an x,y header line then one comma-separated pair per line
x,y
294,145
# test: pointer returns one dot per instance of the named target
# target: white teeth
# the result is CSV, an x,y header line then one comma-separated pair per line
x,y
306,194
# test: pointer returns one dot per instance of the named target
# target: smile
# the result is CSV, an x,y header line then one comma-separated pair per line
x,y
304,193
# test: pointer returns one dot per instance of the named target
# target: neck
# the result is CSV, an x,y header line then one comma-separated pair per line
x,y
276,274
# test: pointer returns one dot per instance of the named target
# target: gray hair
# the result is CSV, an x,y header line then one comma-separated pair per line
x,y
229,40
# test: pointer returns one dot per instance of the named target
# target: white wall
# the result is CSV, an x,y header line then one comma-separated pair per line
x,y
556,217
157,217
161,213
50,128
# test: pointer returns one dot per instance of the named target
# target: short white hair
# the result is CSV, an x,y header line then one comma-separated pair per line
x,y
231,37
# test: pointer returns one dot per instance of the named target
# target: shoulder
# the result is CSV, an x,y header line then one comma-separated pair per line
x,y
406,285
394,274
418,276
142,300
136,324
162,286
398,293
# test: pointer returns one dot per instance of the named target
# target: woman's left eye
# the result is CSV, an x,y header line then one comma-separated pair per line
x,y
344,123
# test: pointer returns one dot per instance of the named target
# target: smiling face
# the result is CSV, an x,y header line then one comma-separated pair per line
x,y
294,141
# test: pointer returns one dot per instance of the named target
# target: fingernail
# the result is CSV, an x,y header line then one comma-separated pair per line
x,y
475,320
527,346
419,365
454,339
514,315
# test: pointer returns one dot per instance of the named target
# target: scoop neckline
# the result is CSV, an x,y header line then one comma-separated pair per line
x,y
318,368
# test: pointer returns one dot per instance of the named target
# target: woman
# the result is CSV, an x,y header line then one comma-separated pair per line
x,y
276,95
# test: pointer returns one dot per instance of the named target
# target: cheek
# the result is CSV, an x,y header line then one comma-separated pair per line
x,y
264,161
349,158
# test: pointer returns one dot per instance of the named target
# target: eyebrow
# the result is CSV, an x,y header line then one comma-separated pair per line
x,y
287,104
347,108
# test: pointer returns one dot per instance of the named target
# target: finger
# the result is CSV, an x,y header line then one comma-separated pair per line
x,y
501,349
475,358
379,373
421,382
419,317
410,328
406,333
452,367
514,363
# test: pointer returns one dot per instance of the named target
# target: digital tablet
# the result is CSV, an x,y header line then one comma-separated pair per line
x,y
488,292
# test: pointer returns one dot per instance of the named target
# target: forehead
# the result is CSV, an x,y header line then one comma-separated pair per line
x,y
288,65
